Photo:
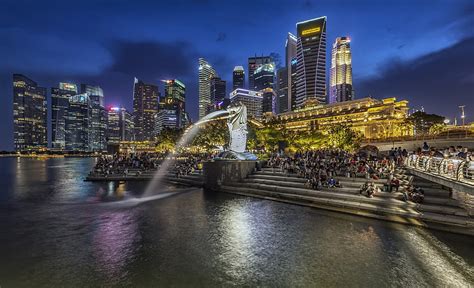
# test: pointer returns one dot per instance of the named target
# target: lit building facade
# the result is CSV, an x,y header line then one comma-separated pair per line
x,y
218,93
175,99
98,118
145,107
264,76
251,99
29,114
290,64
340,87
374,119
59,108
238,78
78,123
253,64
206,73
282,90
119,125
311,61
268,101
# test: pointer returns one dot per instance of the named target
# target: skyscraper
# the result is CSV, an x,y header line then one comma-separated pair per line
x,y
78,123
264,76
341,71
145,107
29,114
238,77
311,61
290,61
282,90
59,108
218,93
119,125
253,64
206,73
175,101
98,120
251,99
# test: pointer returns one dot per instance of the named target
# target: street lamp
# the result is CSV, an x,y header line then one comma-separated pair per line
x,y
446,121
462,113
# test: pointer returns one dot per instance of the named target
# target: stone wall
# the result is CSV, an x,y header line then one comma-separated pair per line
x,y
219,172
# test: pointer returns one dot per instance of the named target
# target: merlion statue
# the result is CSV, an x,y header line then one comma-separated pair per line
x,y
237,124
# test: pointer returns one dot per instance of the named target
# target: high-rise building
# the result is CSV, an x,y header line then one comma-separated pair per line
x,y
268,101
29,114
119,125
218,93
145,107
78,123
206,73
311,61
253,64
251,99
59,108
264,76
282,90
238,78
98,120
175,99
290,64
340,88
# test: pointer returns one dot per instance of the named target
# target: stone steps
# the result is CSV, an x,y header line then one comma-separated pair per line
x,y
382,198
398,213
345,182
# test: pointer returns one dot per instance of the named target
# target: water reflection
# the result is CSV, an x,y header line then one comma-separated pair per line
x,y
114,243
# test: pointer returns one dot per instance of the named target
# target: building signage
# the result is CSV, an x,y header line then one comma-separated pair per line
x,y
311,31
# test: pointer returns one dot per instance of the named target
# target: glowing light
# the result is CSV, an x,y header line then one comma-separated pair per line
x,y
311,31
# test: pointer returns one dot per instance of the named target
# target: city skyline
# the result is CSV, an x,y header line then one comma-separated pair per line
x,y
394,53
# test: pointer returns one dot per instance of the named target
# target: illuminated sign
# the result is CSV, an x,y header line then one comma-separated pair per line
x,y
311,31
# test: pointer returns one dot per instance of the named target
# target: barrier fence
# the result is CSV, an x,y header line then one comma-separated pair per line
x,y
456,169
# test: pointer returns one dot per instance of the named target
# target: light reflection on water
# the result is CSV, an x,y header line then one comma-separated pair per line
x,y
201,239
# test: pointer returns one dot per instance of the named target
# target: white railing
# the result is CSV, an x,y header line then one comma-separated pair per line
x,y
452,168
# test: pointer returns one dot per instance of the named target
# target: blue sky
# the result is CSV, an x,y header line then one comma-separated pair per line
x,y
422,51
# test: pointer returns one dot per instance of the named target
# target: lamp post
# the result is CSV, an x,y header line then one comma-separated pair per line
x,y
463,116
446,121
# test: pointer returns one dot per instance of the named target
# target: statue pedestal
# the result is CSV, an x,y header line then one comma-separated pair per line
x,y
220,172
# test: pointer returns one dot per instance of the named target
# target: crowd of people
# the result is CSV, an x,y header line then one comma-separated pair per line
x,y
135,164
458,152
320,167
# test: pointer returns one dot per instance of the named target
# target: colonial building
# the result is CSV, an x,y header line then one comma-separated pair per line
x,y
373,118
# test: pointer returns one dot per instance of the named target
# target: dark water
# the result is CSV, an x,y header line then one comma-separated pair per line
x,y
58,231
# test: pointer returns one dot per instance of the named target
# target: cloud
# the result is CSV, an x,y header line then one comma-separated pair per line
x,y
51,53
439,81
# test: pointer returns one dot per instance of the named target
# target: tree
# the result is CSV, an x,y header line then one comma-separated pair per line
x,y
343,137
211,135
167,139
422,122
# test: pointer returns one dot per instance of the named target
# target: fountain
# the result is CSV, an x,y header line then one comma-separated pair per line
x,y
236,122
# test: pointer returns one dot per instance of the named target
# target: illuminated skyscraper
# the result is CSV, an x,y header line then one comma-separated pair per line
x,y
264,76
253,64
206,73
311,61
98,120
119,125
218,93
238,77
145,107
290,61
29,114
175,101
341,71
78,123
282,90
59,108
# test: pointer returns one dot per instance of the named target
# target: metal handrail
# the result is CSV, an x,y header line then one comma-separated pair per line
x,y
453,168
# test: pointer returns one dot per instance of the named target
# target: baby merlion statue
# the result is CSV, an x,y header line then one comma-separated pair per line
x,y
237,124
